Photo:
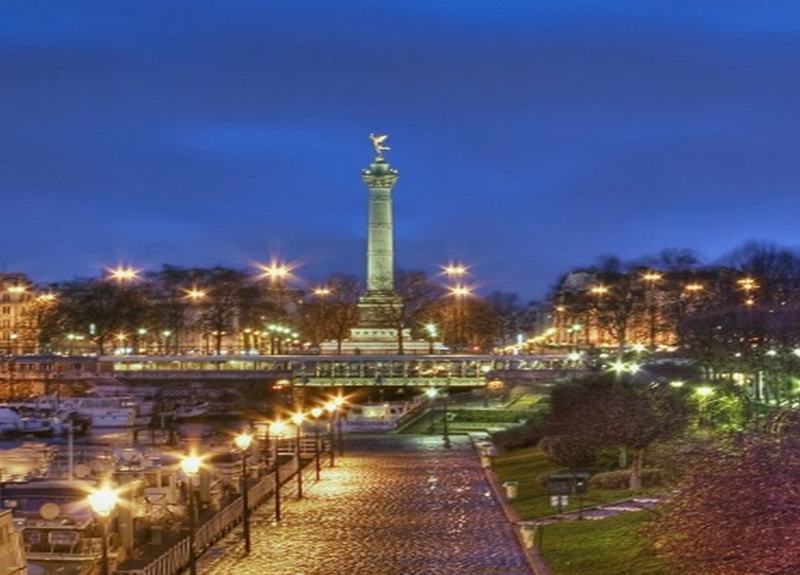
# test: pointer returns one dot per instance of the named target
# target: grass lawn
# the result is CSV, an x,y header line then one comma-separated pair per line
x,y
529,467
612,546
465,421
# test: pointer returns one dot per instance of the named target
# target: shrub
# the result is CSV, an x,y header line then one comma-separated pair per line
x,y
569,452
620,479
519,436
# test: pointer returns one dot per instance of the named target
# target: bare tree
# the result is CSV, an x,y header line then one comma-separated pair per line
x,y
736,511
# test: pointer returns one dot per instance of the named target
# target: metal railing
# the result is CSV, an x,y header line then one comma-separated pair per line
x,y
177,558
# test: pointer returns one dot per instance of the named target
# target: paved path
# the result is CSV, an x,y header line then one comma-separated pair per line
x,y
394,505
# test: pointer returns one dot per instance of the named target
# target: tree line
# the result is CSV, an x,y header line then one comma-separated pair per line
x,y
222,310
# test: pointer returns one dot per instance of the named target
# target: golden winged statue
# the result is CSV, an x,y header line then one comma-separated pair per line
x,y
377,142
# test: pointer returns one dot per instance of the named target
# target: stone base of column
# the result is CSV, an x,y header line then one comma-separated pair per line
x,y
379,341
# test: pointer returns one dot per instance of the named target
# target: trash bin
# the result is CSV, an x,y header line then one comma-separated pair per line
x,y
528,533
511,488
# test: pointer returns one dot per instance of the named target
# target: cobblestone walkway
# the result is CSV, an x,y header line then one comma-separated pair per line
x,y
394,505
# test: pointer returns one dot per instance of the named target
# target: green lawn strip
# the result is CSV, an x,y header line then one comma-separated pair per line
x,y
422,425
613,546
525,401
466,420
529,467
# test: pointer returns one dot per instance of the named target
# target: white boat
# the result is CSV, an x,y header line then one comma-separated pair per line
x,y
9,420
103,411
190,410
145,397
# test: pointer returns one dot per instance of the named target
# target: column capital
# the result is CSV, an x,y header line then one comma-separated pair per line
x,y
379,174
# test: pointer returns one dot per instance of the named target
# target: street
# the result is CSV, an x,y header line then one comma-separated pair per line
x,y
393,505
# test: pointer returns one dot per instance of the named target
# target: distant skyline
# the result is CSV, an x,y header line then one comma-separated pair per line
x,y
530,137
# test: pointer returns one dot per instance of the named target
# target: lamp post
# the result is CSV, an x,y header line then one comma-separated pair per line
x,y
651,278
298,419
190,465
339,401
446,430
102,503
432,331
431,393
316,413
276,430
330,407
242,443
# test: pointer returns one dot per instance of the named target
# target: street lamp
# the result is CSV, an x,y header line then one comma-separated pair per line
x,y
190,465
242,443
123,274
446,429
455,270
339,401
431,393
316,413
298,419
276,431
195,294
432,331
651,278
331,408
276,271
103,501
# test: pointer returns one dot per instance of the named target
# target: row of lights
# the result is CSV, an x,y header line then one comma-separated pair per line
x,y
746,284
105,499
277,272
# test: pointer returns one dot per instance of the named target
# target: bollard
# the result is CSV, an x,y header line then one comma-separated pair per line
x,y
528,535
511,487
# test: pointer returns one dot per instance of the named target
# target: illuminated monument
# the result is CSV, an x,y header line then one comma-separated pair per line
x,y
375,333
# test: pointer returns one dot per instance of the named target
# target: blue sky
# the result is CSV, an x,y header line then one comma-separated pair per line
x,y
529,136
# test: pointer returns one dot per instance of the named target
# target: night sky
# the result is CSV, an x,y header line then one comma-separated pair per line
x,y
529,136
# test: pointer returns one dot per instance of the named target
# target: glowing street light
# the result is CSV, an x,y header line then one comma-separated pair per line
x,y
704,391
242,443
677,384
574,356
747,284
276,271
322,291
652,277
460,291
599,290
694,287
103,501
48,297
190,465
17,289
195,294
123,274
455,270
